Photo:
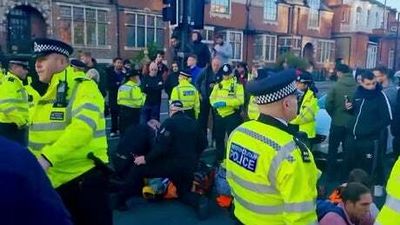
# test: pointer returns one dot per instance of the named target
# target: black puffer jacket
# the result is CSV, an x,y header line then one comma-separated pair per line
x,y
371,111
201,51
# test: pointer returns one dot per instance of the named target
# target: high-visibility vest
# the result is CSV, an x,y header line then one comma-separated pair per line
x,y
307,113
188,95
65,135
252,109
390,213
230,92
14,107
33,95
130,95
269,181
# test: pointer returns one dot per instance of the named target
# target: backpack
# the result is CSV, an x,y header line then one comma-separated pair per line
x,y
324,207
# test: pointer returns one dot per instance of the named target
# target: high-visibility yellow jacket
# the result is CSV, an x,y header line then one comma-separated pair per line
x,y
307,113
252,109
188,95
230,92
33,95
65,135
270,182
390,213
130,95
14,106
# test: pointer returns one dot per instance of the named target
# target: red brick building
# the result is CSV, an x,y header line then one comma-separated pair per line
x,y
258,30
363,31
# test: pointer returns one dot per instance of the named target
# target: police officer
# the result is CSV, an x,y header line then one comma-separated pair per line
x,y
14,106
308,106
187,94
226,98
67,125
252,108
131,100
271,173
390,213
175,155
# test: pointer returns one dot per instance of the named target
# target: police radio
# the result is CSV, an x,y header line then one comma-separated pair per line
x,y
61,96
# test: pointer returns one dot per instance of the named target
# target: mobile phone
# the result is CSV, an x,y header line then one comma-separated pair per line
x,y
347,98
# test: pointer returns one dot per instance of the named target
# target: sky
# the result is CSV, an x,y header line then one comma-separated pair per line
x,y
392,3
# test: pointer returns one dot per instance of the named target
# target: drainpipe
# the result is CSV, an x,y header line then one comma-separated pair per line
x,y
396,43
118,27
248,4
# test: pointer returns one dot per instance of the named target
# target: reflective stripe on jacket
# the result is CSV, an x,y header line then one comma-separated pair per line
x,y
188,95
14,106
390,213
230,92
307,113
130,95
269,180
66,135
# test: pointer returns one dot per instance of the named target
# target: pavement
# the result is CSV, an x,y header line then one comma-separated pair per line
x,y
172,212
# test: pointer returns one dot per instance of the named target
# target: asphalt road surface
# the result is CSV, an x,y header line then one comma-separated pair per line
x,y
173,212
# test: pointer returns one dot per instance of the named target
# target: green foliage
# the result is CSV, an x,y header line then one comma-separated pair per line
x,y
145,55
292,61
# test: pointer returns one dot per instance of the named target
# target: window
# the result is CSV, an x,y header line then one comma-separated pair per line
x,y
144,29
391,59
270,10
287,44
235,38
221,6
83,25
377,25
325,52
358,15
313,16
265,48
368,17
208,36
372,55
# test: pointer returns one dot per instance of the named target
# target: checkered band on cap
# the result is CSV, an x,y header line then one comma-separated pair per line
x,y
39,48
277,95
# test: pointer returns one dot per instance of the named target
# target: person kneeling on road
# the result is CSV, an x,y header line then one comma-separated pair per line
x,y
175,156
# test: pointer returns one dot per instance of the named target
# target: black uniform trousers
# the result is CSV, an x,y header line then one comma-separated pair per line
x,y
181,176
86,199
114,109
224,126
128,117
367,154
337,136
13,133
204,114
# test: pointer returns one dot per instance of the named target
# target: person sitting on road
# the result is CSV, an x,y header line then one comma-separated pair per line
x,y
356,203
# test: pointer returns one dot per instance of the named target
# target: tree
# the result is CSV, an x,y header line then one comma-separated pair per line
x,y
292,61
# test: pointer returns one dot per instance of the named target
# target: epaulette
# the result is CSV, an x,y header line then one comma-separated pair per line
x,y
81,79
11,79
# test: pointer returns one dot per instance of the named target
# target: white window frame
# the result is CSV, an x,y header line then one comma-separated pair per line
x,y
372,55
146,15
267,7
358,16
213,3
264,57
314,14
84,7
227,39
326,47
391,59
208,39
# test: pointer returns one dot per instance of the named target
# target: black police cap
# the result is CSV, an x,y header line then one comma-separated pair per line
x,y
274,87
46,46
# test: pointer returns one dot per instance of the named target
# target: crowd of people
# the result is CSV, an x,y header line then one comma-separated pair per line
x,y
262,124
